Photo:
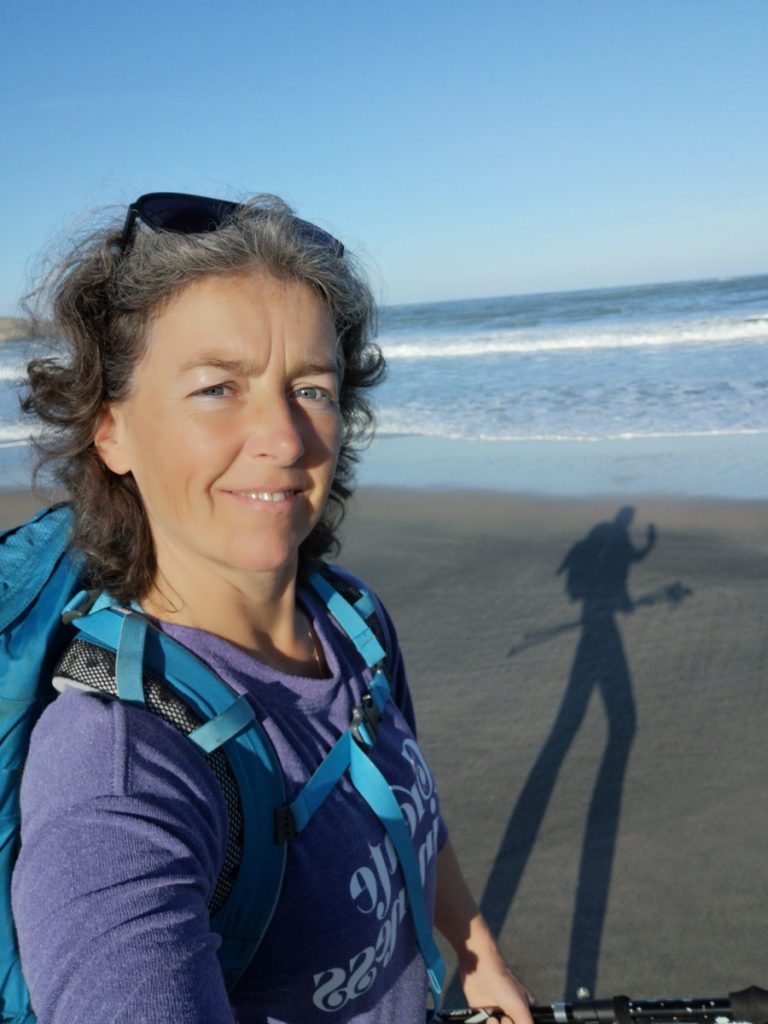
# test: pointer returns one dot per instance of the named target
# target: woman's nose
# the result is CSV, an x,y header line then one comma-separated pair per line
x,y
274,431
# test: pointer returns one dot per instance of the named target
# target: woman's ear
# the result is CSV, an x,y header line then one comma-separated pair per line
x,y
110,440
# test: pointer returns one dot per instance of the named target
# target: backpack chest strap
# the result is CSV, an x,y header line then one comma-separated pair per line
x,y
361,734
349,755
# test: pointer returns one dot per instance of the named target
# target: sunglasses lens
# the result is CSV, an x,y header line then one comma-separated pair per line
x,y
183,214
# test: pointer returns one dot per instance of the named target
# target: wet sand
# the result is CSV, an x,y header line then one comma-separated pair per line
x,y
603,771
620,849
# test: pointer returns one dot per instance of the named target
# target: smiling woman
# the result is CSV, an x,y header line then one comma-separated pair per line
x,y
231,433
204,426
105,297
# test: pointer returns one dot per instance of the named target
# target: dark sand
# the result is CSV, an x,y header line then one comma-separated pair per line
x,y
671,893
657,886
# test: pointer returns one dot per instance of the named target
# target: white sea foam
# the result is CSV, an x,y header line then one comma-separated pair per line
x,y
684,361
12,372
718,331
12,434
490,439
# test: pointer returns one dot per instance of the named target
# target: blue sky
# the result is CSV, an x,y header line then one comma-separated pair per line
x,y
462,147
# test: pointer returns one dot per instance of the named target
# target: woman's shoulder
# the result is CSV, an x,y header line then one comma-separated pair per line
x,y
85,746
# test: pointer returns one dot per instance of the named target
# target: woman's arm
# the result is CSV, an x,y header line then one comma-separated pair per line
x,y
122,831
485,978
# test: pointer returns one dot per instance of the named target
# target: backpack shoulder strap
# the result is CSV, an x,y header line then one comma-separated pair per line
x,y
350,756
84,666
355,611
222,721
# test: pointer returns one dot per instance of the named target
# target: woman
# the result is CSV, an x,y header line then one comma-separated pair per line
x,y
204,424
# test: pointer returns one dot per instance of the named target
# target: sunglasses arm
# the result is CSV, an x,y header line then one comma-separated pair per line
x,y
128,229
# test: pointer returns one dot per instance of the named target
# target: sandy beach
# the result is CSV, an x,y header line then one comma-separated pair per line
x,y
602,770
668,896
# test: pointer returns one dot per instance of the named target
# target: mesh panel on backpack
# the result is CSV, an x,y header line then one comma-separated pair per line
x,y
93,666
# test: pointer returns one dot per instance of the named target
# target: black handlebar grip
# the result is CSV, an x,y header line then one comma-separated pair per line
x,y
750,1004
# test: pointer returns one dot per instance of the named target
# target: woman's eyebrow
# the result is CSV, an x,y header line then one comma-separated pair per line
x,y
312,369
240,367
249,368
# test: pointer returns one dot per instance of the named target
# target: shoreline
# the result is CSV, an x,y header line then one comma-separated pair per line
x,y
705,466
471,503
700,467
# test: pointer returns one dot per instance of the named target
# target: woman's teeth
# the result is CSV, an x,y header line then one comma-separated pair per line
x,y
268,495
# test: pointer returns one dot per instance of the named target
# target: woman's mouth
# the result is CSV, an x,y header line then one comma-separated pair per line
x,y
269,496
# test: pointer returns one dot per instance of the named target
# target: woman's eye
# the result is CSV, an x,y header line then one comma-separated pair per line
x,y
313,394
214,391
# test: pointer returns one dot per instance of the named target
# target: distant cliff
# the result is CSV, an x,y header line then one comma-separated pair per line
x,y
12,327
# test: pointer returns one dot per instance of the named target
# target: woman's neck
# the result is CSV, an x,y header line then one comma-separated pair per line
x,y
258,612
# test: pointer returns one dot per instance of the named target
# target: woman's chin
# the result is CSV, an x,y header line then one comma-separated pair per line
x,y
271,562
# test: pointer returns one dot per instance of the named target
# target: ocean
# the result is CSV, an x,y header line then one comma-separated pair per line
x,y
659,360
556,392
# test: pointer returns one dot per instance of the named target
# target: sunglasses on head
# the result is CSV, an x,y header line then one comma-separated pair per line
x,y
184,214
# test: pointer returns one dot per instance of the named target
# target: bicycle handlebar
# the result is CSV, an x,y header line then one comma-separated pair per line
x,y
750,1005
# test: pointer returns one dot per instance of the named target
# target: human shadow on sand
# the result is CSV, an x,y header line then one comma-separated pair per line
x,y
596,571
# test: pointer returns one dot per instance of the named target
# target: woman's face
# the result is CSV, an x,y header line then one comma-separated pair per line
x,y
232,429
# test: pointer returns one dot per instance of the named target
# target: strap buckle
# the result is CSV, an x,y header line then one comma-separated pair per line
x,y
365,722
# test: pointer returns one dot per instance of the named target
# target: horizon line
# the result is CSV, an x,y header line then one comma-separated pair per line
x,y
719,278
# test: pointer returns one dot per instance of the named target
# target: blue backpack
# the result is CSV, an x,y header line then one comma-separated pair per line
x,y
46,616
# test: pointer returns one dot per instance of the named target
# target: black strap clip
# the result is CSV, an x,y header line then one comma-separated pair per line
x,y
285,826
67,618
366,716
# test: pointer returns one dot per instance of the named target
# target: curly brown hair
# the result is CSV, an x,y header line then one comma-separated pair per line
x,y
99,300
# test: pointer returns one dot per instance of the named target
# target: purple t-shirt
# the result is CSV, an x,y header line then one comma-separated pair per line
x,y
123,833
